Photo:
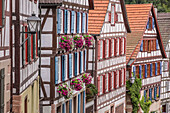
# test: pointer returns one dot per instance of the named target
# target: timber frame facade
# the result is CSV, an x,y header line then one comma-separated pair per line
x,y
106,59
59,18
5,56
163,21
25,58
145,53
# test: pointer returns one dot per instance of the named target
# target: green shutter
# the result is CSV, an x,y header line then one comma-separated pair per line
x,y
2,73
23,46
29,47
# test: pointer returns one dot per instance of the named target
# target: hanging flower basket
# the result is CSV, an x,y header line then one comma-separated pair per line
x,y
87,78
89,40
64,91
79,41
66,42
76,84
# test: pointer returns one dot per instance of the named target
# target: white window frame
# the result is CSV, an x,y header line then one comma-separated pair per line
x,y
107,82
117,78
61,20
59,69
117,46
123,40
80,22
112,14
68,22
101,49
82,63
107,50
75,22
113,47
101,85
78,70
112,80
66,66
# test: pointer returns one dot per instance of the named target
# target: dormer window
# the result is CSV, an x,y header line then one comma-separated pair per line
x,y
150,24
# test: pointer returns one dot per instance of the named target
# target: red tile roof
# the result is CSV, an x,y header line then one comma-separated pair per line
x,y
97,16
138,17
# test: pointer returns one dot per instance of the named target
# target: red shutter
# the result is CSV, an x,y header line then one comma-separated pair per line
x,y
110,47
115,79
104,48
120,47
115,44
104,84
109,16
116,17
98,49
36,44
32,46
26,49
110,81
98,85
120,78
124,46
124,76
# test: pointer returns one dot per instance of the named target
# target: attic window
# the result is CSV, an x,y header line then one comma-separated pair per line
x,y
113,14
150,24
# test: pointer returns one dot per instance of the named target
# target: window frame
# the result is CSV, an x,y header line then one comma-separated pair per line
x,y
113,23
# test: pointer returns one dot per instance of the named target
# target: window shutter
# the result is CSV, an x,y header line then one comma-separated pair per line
x,y
70,65
145,70
120,78
106,48
56,70
26,44
110,47
104,41
150,94
147,26
145,95
34,46
141,46
85,60
124,76
151,69
110,81
78,21
79,102
115,78
155,93
63,109
159,91
65,21
75,71
134,70
23,47
63,67
160,67
81,63
109,16
157,44
115,48
124,45
72,21
87,23
140,71
120,46
83,23
156,68
70,106
116,17
98,84
29,47
84,101
104,84
58,21
98,49
153,23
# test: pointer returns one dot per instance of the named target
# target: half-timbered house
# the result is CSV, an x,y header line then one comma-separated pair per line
x,y
25,60
145,53
106,59
61,18
164,25
5,59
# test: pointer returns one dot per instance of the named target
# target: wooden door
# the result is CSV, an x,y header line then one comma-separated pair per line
x,y
119,109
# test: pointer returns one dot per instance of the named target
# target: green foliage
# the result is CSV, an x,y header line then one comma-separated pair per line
x,y
134,92
161,5
91,91
145,105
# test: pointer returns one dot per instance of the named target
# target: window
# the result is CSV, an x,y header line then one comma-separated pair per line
x,y
81,61
70,66
150,23
165,66
66,67
56,70
149,45
61,21
137,71
101,49
113,80
123,46
113,14
153,69
63,67
65,21
117,47
76,64
107,82
78,22
2,76
158,68
122,77
117,79
113,47
68,21
107,49
148,70
101,84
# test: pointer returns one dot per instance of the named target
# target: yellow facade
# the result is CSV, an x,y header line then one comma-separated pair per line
x,y
31,94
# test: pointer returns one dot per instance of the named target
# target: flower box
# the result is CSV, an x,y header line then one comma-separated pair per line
x,y
87,78
64,91
89,40
76,84
79,41
66,42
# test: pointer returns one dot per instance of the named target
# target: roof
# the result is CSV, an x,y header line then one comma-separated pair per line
x,y
164,26
97,16
47,2
138,17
